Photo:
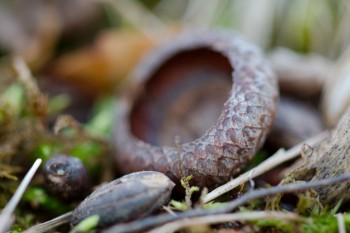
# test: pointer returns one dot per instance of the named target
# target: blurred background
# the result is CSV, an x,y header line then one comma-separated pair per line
x,y
81,53
93,45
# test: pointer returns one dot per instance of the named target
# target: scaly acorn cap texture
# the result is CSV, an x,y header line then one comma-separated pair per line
x,y
239,131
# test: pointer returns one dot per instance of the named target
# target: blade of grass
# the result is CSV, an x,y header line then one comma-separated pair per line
x,y
6,217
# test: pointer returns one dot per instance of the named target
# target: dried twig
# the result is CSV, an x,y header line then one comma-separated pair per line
x,y
25,76
147,223
6,217
278,158
222,218
67,121
49,225
341,223
37,100
169,210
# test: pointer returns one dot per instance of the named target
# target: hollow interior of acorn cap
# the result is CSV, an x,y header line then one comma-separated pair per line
x,y
183,98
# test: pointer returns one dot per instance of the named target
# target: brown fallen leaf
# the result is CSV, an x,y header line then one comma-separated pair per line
x,y
99,67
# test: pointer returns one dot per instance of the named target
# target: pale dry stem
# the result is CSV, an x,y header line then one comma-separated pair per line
x,y
222,218
281,156
6,216
149,222
341,223
49,225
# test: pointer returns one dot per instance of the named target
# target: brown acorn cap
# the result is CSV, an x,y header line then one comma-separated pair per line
x,y
225,145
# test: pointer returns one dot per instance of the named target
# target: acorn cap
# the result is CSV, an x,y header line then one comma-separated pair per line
x,y
178,75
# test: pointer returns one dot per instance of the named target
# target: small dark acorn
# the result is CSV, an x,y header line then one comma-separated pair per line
x,y
66,177
128,198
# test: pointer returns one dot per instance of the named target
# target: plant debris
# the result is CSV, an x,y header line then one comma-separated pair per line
x,y
329,159
65,68
150,222
130,197
25,135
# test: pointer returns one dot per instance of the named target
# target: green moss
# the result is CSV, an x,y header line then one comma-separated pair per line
x,y
91,154
38,197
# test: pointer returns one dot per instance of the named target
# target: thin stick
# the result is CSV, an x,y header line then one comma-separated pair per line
x,y
6,214
170,211
147,223
11,205
341,223
49,225
37,100
278,158
25,75
222,218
